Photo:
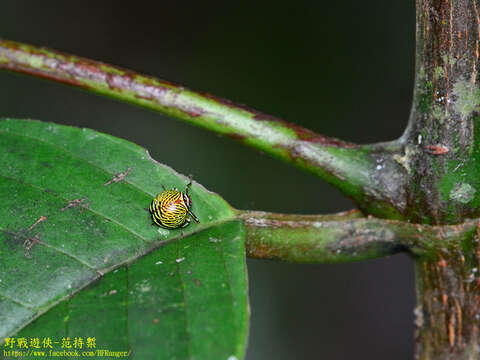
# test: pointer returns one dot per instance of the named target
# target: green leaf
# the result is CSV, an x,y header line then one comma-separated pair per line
x,y
95,267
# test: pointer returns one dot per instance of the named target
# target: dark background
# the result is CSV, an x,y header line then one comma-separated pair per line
x,y
343,68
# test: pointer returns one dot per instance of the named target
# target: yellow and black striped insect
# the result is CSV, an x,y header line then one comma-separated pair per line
x,y
171,207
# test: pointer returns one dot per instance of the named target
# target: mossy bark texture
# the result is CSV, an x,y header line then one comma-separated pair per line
x,y
442,157
442,142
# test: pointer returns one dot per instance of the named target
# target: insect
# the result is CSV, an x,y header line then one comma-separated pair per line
x,y
170,208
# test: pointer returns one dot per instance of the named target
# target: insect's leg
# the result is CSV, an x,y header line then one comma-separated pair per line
x,y
193,216
187,222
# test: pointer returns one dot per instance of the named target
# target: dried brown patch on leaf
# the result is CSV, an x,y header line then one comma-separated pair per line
x,y
42,218
118,177
75,203
30,243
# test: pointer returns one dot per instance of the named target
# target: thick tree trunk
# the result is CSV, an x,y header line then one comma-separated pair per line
x,y
442,156
442,150
448,303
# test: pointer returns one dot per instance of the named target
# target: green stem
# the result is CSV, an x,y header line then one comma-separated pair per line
x,y
344,237
367,174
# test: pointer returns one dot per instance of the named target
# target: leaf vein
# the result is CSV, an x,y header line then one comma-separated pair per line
x,y
16,301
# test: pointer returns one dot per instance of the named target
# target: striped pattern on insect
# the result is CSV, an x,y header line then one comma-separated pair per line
x,y
171,207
